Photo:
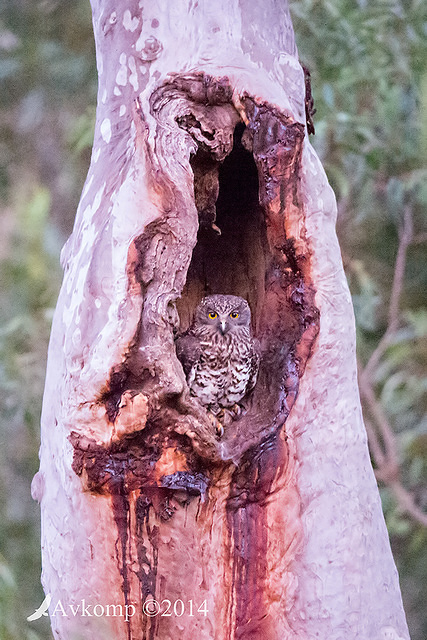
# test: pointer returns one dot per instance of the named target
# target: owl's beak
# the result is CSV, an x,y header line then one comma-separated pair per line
x,y
223,326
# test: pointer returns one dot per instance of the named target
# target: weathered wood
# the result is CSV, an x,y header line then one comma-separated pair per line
x,y
202,181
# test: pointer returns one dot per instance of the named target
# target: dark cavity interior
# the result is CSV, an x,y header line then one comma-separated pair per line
x,y
231,252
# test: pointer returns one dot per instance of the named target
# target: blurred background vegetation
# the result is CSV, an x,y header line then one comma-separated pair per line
x,y
368,62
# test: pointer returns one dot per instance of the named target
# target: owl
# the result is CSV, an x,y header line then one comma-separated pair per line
x,y
219,356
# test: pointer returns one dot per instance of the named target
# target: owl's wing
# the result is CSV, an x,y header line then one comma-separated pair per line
x,y
255,359
188,351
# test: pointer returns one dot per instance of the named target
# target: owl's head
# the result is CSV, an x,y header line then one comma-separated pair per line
x,y
223,314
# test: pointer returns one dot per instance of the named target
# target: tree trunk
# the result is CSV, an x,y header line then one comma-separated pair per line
x,y
203,181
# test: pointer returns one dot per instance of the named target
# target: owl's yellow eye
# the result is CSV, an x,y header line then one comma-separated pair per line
x,y
234,315
213,315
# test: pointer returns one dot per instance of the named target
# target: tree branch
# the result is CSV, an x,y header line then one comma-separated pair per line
x,y
382,441
406,502
396,292
388,462
420,238
386,456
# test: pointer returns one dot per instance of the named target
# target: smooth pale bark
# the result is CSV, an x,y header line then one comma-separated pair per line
x,y
277,525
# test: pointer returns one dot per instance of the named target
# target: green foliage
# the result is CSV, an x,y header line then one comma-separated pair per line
x,y
48,78
368,65
30,276
81,135
11,627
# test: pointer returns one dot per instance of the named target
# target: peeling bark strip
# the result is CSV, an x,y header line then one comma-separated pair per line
x,y
309,102
202,181
229,162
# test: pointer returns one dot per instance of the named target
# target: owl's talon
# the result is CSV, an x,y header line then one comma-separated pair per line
x,y
236,410
220,415
219,428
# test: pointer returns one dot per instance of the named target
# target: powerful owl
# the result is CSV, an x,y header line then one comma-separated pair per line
x,y
218,353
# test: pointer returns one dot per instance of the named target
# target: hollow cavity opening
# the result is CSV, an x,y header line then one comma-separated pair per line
x,y
237,254
231,251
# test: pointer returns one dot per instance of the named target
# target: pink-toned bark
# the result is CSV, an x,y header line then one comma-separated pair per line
x,y
277,525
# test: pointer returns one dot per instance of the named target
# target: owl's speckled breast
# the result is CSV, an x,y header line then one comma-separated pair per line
x,y
218,354
220,378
